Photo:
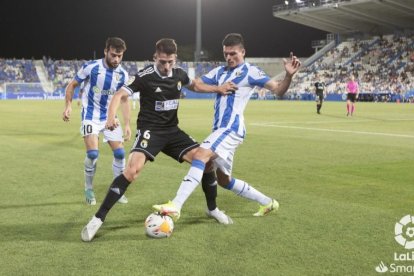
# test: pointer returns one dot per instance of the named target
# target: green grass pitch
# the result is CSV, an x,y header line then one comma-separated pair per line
x,y
342,182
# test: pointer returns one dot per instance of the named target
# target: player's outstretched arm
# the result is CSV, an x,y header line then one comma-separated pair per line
x,y
111,121
70,90
292,66
126,114
198,85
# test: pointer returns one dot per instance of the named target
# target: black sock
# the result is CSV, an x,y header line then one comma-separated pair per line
x,y
116,190
318,107
208,182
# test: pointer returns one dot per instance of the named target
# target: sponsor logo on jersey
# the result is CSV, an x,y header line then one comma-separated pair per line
x,y
96,90
166,105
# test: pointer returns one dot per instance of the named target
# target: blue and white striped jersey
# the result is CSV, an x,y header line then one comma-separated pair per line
x,y
101,84
229,109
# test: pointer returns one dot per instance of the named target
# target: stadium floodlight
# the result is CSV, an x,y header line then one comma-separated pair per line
x,y
299,3
286,2
197,54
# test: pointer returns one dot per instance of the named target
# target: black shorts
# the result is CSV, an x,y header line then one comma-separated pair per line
x,y
319,97
351,97
172,141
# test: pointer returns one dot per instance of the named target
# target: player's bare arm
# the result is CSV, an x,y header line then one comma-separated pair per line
x,y
70,90
80,97
112,122
199,86
126,114
291,67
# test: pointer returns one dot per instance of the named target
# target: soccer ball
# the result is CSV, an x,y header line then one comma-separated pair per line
x,y
158,226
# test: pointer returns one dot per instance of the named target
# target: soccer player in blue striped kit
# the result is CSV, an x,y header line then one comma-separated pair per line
x,y
101,79
228,126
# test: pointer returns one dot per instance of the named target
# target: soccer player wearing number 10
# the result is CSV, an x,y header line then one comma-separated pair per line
x,y
101,79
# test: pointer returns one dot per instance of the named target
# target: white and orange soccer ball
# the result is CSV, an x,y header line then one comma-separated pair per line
x,y
159,226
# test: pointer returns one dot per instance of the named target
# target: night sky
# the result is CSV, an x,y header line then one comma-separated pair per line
x,y
76,29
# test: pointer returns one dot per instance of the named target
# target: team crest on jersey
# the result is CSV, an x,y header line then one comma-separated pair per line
x,y
238,73
117,76
262,73
179,85
144,144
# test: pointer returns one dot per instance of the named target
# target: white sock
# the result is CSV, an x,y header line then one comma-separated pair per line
x,y
118,166
189,183
90,169
243,189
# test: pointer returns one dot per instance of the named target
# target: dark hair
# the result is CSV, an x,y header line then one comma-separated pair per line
x,y
117,43
233,39
166,46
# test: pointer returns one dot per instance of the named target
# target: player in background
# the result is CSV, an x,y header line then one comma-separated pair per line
x,y
352,88
319,94
228,126
160,87
102,78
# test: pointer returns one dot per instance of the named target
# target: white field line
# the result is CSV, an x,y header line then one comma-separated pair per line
x,y
334,130
328,122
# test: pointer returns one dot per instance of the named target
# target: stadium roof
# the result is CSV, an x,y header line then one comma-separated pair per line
x,y
349,16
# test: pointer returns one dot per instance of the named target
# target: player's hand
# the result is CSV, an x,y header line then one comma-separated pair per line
x,y
227,88
112,123
66,114
127,133
292,65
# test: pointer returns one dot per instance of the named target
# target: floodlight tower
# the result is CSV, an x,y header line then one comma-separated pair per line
x,y
198,52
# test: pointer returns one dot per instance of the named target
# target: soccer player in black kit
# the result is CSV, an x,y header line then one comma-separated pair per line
x,y
319,94
160,86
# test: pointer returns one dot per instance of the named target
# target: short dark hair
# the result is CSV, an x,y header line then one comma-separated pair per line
x,y
166,46
233,39
117,43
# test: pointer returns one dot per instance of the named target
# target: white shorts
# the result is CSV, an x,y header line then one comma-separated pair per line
x,y
223,142
89,127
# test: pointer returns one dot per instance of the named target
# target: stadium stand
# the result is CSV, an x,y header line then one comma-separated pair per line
x,y
371,39
383,65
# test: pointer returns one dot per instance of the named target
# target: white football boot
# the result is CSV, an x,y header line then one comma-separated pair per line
x,y
89,231
220,216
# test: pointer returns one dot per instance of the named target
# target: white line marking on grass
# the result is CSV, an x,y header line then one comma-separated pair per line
x,y
312,122
328,122
336,130
399,119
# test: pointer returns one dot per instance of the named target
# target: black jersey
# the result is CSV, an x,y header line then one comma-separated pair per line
x,y
320,86
158,97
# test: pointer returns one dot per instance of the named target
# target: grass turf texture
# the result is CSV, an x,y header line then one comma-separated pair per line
x,y
342,182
